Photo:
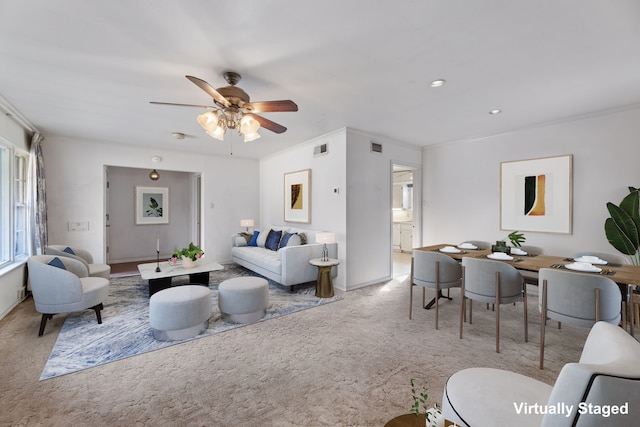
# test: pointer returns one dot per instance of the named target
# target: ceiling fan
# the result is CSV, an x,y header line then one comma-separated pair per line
x,y
233,110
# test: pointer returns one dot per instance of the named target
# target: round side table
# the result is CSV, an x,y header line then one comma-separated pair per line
x,y
324,285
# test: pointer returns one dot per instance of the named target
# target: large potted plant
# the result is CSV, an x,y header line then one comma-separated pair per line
x,y
623,227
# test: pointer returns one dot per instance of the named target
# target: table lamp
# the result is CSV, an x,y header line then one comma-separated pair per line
x,y
246,223
325,237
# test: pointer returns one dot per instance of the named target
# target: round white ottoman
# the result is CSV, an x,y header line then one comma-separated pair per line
x,y
243,299
180,312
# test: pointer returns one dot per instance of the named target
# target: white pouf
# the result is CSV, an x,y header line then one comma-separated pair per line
x,y
180,312
243,299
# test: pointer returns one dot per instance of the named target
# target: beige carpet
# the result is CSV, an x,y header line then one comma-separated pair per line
x,y
342,364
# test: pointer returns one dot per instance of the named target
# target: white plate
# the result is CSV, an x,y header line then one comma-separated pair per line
x,y
583,266
591,260
467,246
450,250
500,256
516,251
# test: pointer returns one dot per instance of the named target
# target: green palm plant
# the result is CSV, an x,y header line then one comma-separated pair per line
x,y
623,227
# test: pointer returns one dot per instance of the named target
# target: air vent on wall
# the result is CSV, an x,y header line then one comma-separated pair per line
x,y
376,147
320,150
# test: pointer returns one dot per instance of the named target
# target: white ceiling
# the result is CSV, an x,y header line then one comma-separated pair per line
x,y
87,70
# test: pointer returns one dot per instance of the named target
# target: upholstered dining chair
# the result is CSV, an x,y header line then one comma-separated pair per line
x,y
493,282
531,277
605,256
481,244
580,299
61,285
82,255
436,271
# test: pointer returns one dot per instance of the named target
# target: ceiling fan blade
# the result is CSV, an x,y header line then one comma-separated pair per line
x,y
272,106
182,105
210,90
269,125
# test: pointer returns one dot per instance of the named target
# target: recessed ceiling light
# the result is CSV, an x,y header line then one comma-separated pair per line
x,y
178,135
496,111
437,83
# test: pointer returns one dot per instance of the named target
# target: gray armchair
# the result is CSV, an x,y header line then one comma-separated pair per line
x,y
57,290
435,271
578,299
82,255
492,282
607,376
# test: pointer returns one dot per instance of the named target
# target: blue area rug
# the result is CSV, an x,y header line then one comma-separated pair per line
x,y
125,330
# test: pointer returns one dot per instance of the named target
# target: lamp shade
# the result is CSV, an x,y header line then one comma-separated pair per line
x,y
246,223
325,237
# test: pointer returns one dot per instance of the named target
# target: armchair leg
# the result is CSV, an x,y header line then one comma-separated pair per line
x,y
97,309
43,323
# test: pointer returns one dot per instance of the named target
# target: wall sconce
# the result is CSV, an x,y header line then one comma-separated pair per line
x,y
246,223
154,175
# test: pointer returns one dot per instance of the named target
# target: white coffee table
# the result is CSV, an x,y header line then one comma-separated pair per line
x,y
159,280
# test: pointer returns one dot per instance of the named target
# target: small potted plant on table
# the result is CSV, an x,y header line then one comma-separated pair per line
x,y
189,255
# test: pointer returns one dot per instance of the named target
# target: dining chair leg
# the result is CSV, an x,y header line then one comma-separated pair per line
x,y
410,298
497,310
463,300
543,317
526,317
437,290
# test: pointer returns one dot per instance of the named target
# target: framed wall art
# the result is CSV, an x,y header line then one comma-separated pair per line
x,y
152,205
297,196
536,194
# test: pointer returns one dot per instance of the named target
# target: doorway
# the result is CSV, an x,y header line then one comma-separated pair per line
x,y
405,216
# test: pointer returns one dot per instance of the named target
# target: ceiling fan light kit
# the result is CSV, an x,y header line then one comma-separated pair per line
x,y
234,111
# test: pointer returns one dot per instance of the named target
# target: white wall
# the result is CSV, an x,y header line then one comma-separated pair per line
x,y
462,180
75,189
328,209
369,214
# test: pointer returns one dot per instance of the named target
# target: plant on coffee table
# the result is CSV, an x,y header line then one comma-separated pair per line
x,y
191,252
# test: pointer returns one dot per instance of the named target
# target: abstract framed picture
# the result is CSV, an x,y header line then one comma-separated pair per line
x,y
297,196
536,194
152,205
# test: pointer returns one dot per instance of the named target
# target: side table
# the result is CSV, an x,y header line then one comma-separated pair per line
x,y
324,285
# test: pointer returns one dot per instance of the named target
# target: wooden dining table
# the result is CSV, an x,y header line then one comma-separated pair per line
x,y
627,276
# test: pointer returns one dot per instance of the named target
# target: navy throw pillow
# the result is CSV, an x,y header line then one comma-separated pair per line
x,y
254,239
285,239
68,250
273,239
55,262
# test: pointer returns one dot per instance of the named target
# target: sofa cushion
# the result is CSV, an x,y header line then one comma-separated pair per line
x,y
260,257
57,262
262,237
294,240
240,241
254,239
285,239
273,240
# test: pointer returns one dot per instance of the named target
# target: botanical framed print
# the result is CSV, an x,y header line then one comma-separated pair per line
x,y
297,196
152,205
536,194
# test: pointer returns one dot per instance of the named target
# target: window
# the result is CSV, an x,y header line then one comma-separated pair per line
x,y
13,204
20,198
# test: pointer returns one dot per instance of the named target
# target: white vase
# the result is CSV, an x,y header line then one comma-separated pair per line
x,y
188,262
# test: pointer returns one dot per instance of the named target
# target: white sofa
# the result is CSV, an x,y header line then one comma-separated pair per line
x,y
288,265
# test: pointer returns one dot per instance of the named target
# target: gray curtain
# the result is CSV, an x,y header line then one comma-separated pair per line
x,y
37,235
